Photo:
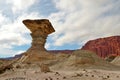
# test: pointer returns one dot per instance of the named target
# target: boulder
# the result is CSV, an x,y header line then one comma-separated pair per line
x,y
44,68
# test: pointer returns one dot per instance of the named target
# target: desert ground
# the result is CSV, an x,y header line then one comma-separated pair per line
x,y
83,74
78,66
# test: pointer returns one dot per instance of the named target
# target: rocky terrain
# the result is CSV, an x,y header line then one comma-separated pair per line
x,y
80,65
50,51
116,61
83,74
104,47
61,51
39,64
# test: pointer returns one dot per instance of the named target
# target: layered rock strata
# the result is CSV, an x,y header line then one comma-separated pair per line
x,y
104,47
40,30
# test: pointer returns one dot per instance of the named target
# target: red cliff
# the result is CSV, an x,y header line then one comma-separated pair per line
x,y
104,47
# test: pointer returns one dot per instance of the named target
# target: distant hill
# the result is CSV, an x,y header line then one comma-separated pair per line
x,y
51,51
81,59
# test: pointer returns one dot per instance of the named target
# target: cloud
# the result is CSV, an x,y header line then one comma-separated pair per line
x,y
75,22
9,52
47,45
14,33
3,18
20,5
83,20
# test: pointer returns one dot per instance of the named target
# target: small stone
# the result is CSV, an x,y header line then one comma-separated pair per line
x,y
50,78
86,75
57,73
108,76
117,76
92,75
79,75
46,79
44,68
64,77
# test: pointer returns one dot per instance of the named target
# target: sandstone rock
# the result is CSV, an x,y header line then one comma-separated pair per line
x,y
50,51
6,66
40,29
82,59
61,51
104,47
116,61
44,68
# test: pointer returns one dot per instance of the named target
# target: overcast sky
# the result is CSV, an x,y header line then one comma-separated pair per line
x,y
75,22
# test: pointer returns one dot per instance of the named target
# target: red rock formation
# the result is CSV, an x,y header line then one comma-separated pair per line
x,y
104,46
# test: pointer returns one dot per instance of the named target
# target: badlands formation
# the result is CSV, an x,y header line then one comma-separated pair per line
x,y
39,64
104,47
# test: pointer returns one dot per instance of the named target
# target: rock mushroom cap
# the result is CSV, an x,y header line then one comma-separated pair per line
x,y
43,25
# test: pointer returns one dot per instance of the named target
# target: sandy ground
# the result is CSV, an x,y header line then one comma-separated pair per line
x,y
83,74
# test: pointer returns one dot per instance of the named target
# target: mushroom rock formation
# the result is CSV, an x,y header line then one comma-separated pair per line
x,y
40,29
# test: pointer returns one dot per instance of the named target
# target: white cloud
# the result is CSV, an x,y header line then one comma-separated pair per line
x,y
75,22
47,45
15,34
8,52
66,5
83,20
19,5
3,19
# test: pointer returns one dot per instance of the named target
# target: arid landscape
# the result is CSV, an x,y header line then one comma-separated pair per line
x,y
96,60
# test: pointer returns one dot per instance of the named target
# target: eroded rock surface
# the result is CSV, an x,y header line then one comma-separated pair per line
x,y
116,61
104,46
40,30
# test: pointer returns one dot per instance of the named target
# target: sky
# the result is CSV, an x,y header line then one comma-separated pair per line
x,y
75,22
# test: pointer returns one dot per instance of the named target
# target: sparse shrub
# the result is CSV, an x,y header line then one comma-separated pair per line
x,y
18,66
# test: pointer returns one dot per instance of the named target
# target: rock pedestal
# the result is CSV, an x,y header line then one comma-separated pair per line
x,y
40,30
